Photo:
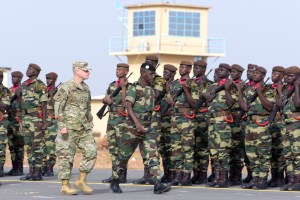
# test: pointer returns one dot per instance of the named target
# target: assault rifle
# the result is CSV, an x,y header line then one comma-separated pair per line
x,y
284,102
202,100
249,101
101,113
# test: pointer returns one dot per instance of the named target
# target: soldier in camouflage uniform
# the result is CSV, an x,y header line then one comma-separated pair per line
x,y
75,124
4,105
49,158
117,115
257,136
219,130
164,139
140,103
276,129
34,104
15,137
201,152
182,130
290,138
236,160
216,76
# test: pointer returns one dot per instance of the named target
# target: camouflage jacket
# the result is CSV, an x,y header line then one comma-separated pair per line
x,y
50,106
117,99
5,95
15,106
291,113
199,88
73,106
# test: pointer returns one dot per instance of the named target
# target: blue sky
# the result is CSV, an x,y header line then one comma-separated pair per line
x,y
55,33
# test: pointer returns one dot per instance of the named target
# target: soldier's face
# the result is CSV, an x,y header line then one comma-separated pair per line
x,y
168,75
31,72
250,73
285,78
291,78
257,76
277,76
223,72
121,72
50,81
199,70
235,74
149,76
84,75
15,80
216,76
184,70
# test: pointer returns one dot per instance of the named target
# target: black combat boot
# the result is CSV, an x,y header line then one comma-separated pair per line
x,y
274,178
108,180
296,185
146,179
13,169
214,180
49,171
211,176
1,171
19,169
160,188
262,183
290,179
186,180
223,180
237,177
195,176
123,176
171,177
37,174
248,177
28,176
165,176
114,186
44,170
231,174
177,179
202,179
251,184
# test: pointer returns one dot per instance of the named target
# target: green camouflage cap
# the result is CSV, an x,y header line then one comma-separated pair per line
x,y
81,65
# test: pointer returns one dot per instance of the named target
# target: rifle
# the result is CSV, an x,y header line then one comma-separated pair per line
x,y
202,100
101,113
249,101
55,89
284,102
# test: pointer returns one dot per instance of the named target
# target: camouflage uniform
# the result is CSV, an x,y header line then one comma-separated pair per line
x,y
73,110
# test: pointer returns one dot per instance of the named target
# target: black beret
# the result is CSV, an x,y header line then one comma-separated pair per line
x,y
123,65
261,69
185,62
279,69
170,67
200,63
226,66
35,66
152,57
148,66
237,67
51,75
292,70
17,74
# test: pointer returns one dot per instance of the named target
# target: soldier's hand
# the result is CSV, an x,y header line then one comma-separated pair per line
x,y
64,131
279,103
170,101
227,84
107,100
140,128
207,96
44,126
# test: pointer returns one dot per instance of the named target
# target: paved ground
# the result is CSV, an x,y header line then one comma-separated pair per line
x,y
13,189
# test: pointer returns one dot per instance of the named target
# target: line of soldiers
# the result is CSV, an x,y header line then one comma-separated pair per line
x,y
28,123
191,121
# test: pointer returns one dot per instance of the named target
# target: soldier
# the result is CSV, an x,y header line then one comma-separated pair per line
x,y
219,130
15,137
257,137
275,129
236,159
117,115
140,103
4,105
216,76
49,158
201,152
164,140
75,123
34,103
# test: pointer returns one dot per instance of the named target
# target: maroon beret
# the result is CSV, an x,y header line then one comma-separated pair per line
x,y
35,66
185,62
123,65
51,75
251,66
279,69
170,67
200,63
224,65
152,57
292,70
237,67
17,74
261,69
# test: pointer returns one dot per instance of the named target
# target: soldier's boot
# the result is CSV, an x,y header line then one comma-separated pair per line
x,y
274,178
114,186
1,171
160,188
251,184
177,179
66,188
108,180
19,169
237,178
262,183
80,183
146,179
123,176
165,176
171,177
37,174
248,177
223,180
186,180
44,170
280,178
211,176
290,179
215,179
231,174
49,171
202,178
28,176
13,169
195,177
296,185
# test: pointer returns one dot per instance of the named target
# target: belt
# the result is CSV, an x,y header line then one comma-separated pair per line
x,y
181,109
217,114
144,117
32,110
254,117
114,109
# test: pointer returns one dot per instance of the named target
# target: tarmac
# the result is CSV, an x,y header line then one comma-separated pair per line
x,y
14,189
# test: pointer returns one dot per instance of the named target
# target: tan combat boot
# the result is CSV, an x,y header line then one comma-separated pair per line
x,y
66,188
80,183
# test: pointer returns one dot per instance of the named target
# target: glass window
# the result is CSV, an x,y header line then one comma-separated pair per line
x,y
184,24
143,23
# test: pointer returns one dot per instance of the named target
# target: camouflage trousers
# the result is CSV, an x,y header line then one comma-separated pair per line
x,y
291,147
66,145
33,139
219,142
164,143
15,141
49,156
237,149
129,140
3,141
258,144
277,160
201,151
182,143
115,127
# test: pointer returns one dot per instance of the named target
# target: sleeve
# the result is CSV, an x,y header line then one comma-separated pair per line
x,y
44,94
270,95
6,98
131,94
194,90
60,99
89,112
159,83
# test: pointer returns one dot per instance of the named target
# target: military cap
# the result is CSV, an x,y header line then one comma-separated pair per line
x,y
185,62
224,65
292,70
123,65
148,66
261,69
51,75
216,69
237,67
152,57
35,66
200,63
17,74
279,69
170,67
81,65
251,66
